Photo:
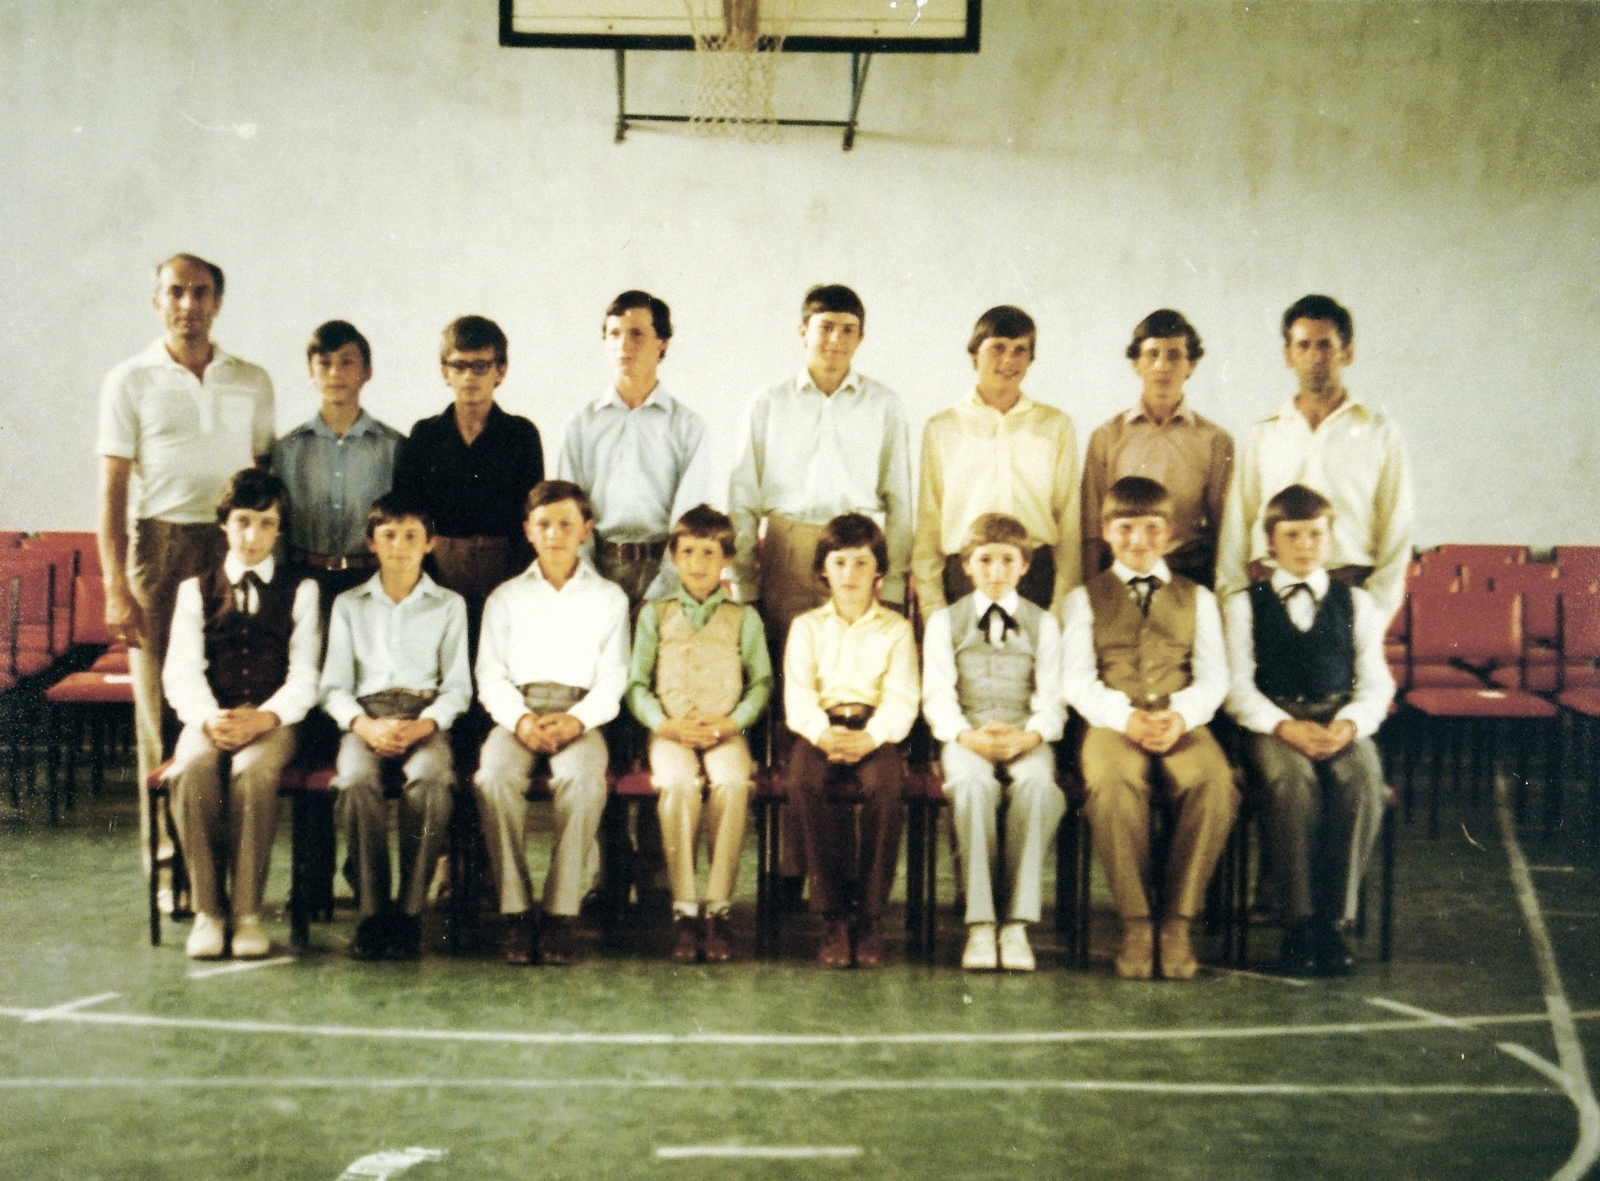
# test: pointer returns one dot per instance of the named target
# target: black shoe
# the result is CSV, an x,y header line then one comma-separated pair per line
x,y
521,942
791,895
557,940
405,937
1294,952
592,910
1332,954
371,940
685,940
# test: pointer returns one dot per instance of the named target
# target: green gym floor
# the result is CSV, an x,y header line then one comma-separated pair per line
x,y
1455,1060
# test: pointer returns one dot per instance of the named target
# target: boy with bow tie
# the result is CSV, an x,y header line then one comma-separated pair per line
x,y
991,691
1311,686
241,673
1145,665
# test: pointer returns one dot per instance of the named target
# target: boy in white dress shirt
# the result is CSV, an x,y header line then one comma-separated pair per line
x,y
1311,686
395,678
552,665
991,691
241,673
1145,664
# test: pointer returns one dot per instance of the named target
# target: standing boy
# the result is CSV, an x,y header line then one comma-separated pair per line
x,y
241,673
700,678
1162,438
998,451
1311,685
396,677
991,690
551,669
336,465
1144,663
850,694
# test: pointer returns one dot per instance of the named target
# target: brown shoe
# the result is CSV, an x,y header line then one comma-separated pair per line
x,y
1136,960
835,949
1177,957
521,942
869,944
685,940
718,943
557,942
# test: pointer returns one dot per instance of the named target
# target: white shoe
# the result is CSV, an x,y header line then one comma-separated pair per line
x,y
250,940
980,955
205,939
1015,954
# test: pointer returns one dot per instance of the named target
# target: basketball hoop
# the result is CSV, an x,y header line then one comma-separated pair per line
x,y
736,68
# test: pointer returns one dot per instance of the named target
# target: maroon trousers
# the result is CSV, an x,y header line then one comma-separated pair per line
x,y
846,864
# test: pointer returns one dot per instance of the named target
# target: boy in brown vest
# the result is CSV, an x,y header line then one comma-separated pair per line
x,y
1145,665
700,677
241,672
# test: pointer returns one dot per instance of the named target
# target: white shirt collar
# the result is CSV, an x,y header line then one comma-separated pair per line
x,y
535,572
1024,404
852,382
983,602
1317,580
1180,411
157,355
373,587
657,397
234,568
1159,572
1351,405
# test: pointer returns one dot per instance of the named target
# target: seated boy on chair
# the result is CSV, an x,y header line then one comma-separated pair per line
x,y
991,691
700,678
1145,665
395,678
241,673
552,664
850,694
1311,685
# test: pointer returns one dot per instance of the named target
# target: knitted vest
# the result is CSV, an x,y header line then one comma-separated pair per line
x,y
994,684
1145,656
699,673
1314,664
247,656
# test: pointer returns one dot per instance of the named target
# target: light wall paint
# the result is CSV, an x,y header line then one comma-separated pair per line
x,y
1432,165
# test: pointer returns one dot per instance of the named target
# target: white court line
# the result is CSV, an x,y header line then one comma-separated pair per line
x,y
1019,1086
1267,976
238,966
758,1152
70,1007
1551,869
1427,1015
1023,1038
1573,1074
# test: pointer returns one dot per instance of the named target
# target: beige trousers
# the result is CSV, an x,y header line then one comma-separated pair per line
x,y
252,816
1199,782
675,772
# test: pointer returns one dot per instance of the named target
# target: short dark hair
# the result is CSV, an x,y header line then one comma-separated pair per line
x,y
1163,323
705,523
547,492
254,491
333,336
851,531
217,279
396,506
660,313
1007,322
1295,503
468,334
1136,496
833,297
1320,307
996,529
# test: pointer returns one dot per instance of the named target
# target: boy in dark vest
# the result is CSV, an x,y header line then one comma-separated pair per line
x,y
241,672
700,678
1311,686
1145,664
991,691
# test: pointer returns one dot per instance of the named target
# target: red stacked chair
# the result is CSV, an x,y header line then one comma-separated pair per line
x,y
1481,556
1540,586
1579,561
1580,696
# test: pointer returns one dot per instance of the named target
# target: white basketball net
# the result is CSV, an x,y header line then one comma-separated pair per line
x,y
736,69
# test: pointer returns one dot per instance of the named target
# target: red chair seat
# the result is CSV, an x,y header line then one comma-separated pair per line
x,y
1581,676
1479,703
1444,676
1541,678
634,785
113,661
1582,701
91,688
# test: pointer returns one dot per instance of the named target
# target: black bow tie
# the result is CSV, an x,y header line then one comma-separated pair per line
x,y
241,591
1295,588
1007,623
1143,587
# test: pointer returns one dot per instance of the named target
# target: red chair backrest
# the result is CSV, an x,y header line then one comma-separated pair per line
x,y
89,613
1582,561
1580,627
1483,555
1540,586
10,538
36,590
1475,626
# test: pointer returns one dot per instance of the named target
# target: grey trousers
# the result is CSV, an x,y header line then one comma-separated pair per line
x,y
1322,821
252,816
578,782
425,800
1035,808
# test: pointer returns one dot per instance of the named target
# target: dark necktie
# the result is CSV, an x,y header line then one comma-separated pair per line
x,y
1143,587
1007,624
241,592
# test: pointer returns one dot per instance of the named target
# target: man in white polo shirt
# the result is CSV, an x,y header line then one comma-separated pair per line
x,y
182,416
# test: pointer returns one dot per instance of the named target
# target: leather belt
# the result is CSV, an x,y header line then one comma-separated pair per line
x,y
633,551
334,562
850,715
